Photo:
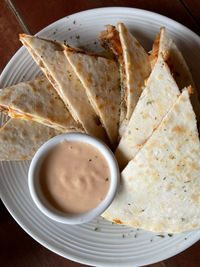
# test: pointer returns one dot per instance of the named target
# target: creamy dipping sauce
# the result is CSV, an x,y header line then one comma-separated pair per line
x,y
75,177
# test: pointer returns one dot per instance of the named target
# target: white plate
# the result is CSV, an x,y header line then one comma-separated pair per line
x,y
109,245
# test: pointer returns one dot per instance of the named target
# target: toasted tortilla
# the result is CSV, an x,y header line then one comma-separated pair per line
x,y
164,46
160,187
20,139
100,77
50,57
134,67
37,100
159,95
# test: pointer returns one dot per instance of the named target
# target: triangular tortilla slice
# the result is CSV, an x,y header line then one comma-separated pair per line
x,y
50,57
160,187
20,139
165,46
37,100
134,66
159,95
100,77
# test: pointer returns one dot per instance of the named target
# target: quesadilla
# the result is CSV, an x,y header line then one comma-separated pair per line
x,y
166,47
20,138
37,100
50,57
159,95
100,77
160,187
134,67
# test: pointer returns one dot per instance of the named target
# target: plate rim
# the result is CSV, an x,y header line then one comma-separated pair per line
x,y
3,73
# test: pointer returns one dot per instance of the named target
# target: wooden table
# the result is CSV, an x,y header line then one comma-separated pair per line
x,y
18,249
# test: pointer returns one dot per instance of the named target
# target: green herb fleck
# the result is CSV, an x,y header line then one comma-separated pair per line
x,y
151,240
69,29
123,236
129,204
77,37
142,210
187,182
182,219
162,236
170,235
113,223
74,22
96,229
149,102
135,235
185,190
164,178
129,132
185,238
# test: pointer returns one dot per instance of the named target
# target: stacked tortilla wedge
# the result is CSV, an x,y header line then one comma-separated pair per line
x,y
160,187
134,67
50,57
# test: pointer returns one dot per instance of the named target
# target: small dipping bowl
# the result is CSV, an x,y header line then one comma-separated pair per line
x,y
34,179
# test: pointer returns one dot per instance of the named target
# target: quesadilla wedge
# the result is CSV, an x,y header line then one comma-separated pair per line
x,y
37,100
160,187
20,138
100,77
159,95
166,47
134,67
50,57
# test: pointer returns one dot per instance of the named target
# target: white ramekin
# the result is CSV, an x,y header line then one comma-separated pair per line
x,y
37,194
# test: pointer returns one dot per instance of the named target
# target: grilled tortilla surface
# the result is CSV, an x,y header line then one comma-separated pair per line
x,y
21,138
50,57
37,100
160,187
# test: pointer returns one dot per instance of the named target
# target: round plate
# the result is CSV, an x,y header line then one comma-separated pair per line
x,y
99,242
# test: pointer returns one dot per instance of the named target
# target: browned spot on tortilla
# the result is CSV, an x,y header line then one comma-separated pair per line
x,y
4,97
36,137
52,101
89,77
24,133
100,106
145,116
176,108
12,140
49,86
130,179
180,130
189,116
4,138
183,99
113,108
139,145
117,221
23,157
79,67
38,107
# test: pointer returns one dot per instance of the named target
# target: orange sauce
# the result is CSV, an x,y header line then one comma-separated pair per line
x,y
74,177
